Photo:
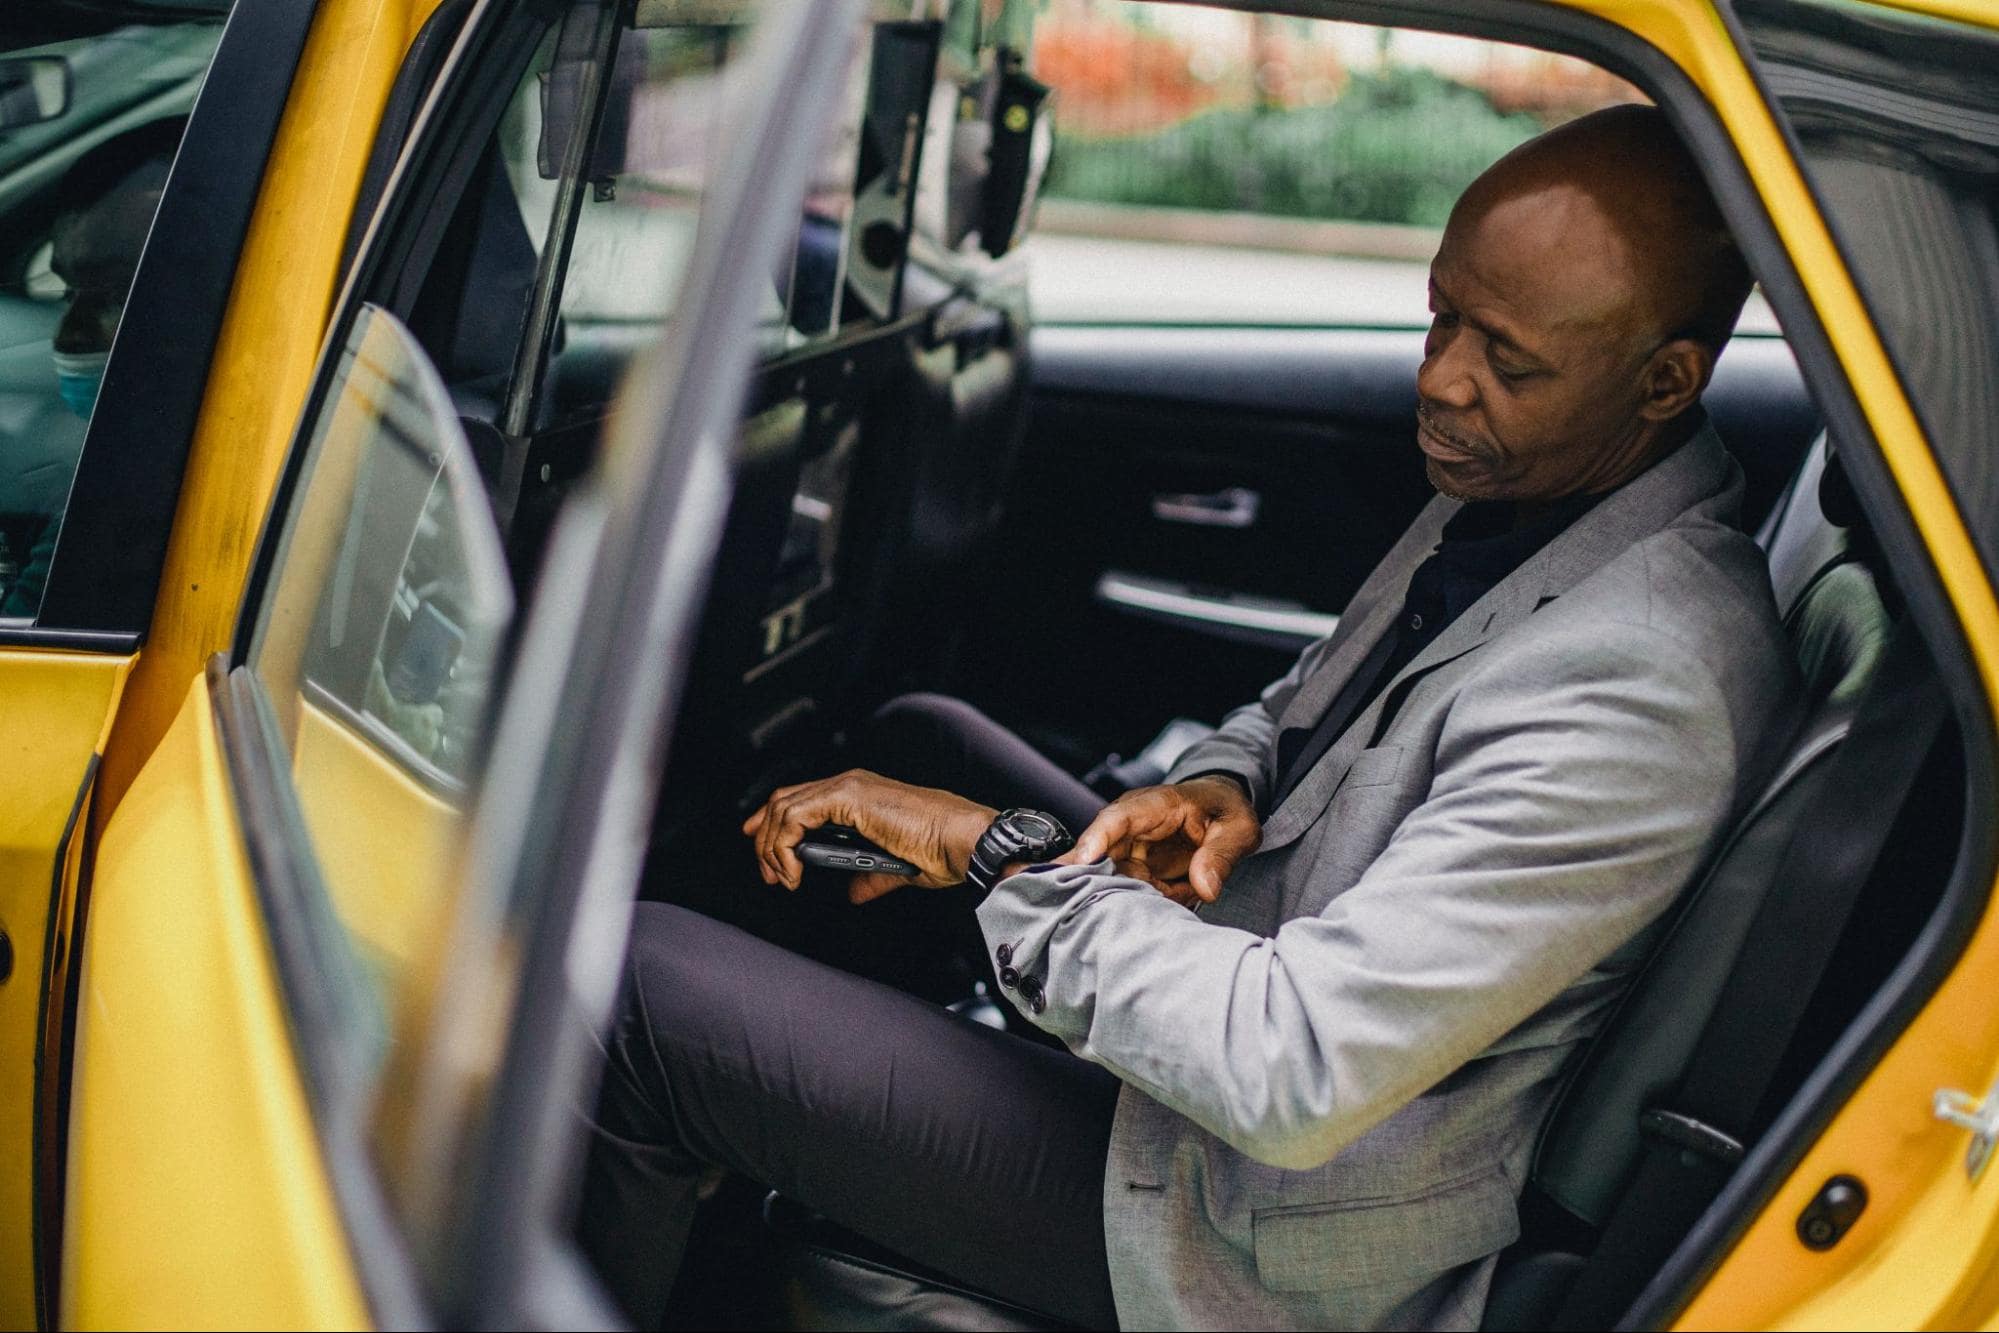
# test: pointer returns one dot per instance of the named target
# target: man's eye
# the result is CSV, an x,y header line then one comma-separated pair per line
x,y
1511,376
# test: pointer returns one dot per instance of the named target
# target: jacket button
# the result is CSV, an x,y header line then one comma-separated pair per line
x,y
1009,978
1030,991
1004,954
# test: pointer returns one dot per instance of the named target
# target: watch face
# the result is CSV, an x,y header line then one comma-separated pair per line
x,y
1033,826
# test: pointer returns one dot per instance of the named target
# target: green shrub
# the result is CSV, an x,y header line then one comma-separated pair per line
x,y
1399,145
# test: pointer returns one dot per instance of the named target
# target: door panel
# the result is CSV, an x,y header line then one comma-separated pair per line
x,y
54,711
196,1194
1193,505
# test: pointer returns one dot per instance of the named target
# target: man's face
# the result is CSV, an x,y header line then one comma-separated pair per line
x,y
1536,372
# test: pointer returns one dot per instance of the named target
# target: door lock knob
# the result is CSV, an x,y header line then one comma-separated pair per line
x,y
1832,1212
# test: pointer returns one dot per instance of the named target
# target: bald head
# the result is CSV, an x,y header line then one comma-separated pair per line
x,y
1625,171
1585,284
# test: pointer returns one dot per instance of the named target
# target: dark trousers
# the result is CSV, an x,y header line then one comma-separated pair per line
x,y
967,1149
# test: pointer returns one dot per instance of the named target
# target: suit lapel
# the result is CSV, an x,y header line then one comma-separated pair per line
x,y
1509,602
1372,611
1700,469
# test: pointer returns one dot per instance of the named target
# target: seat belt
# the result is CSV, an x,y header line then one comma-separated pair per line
x,y
1694,1138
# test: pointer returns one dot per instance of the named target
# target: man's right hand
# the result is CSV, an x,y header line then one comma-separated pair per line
x,y
933,830
1184,840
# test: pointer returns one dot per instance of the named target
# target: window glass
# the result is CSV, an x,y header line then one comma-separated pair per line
x,y
1214,166
472,306
663,116
1898,119
91,115
376,646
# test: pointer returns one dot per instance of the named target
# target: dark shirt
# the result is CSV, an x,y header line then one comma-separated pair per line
x,y
1479,548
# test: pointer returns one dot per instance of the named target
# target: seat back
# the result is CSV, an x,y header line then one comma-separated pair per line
x,y
1591,1143
957,420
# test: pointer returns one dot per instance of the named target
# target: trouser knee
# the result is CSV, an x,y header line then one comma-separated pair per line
x,y
923,713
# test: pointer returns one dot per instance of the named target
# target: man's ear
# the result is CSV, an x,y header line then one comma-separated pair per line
x,y
1674,379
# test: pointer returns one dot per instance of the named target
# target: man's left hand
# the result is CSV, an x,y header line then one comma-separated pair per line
x,y
1182,839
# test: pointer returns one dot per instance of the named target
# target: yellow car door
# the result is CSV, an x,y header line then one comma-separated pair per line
x,y
328,1015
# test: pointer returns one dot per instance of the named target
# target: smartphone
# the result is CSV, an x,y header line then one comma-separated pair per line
x,y
837,847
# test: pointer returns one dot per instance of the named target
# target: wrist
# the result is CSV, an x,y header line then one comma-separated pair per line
x,y
1015,837
967,827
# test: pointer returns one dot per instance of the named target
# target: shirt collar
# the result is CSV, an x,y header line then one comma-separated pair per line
x,y
1481,535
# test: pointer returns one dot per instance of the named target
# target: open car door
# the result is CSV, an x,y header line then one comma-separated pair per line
x,y
487,1127
347,954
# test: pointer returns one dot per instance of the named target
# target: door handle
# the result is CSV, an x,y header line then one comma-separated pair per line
x,y
1233,507
1231,613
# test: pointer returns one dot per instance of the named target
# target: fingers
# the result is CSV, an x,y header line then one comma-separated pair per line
x,y
1148,815
1228,840
1109,829
784,820
909,822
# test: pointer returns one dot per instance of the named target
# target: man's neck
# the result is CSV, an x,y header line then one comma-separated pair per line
x,y
1670,436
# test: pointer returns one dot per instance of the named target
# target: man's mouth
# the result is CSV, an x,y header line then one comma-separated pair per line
x,y
1443,447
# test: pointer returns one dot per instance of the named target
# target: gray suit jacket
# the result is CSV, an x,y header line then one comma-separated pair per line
x,y
1334,1075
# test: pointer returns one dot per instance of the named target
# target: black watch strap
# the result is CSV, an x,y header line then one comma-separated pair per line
x,y
1016,835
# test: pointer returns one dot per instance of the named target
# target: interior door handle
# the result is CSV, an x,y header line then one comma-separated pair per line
x,y
1234,507
1266,618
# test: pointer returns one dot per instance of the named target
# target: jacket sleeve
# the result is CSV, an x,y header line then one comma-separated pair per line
x,y
1576,788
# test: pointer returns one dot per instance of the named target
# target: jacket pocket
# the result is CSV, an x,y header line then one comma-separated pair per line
x,y
1375,768
1311,1247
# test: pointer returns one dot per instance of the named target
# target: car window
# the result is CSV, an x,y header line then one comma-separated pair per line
x,y
663,116
89,126
1898,119
1217,167
377,646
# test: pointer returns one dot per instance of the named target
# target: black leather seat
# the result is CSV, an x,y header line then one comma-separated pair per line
x,y
1840,626
1590,1145
954,421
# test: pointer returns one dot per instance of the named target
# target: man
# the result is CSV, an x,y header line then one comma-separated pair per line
x,y
1420,868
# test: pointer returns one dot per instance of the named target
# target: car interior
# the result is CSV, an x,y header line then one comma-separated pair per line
x,y
1106,536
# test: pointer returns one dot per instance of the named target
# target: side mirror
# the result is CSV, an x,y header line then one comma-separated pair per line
x,y
33,90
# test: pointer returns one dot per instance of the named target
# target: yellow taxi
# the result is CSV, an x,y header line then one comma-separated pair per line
x,y
456,455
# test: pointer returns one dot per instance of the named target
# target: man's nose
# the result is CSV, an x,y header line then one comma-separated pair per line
x,y
1444,378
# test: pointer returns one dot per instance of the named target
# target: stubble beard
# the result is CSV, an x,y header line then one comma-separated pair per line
x,y
1441,483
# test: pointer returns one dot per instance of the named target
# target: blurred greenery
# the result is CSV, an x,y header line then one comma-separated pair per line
x,y
1399,145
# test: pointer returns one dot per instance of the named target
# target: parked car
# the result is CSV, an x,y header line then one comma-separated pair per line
x,y
534,430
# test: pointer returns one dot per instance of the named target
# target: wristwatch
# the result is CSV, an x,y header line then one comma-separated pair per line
x,y
1017,835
